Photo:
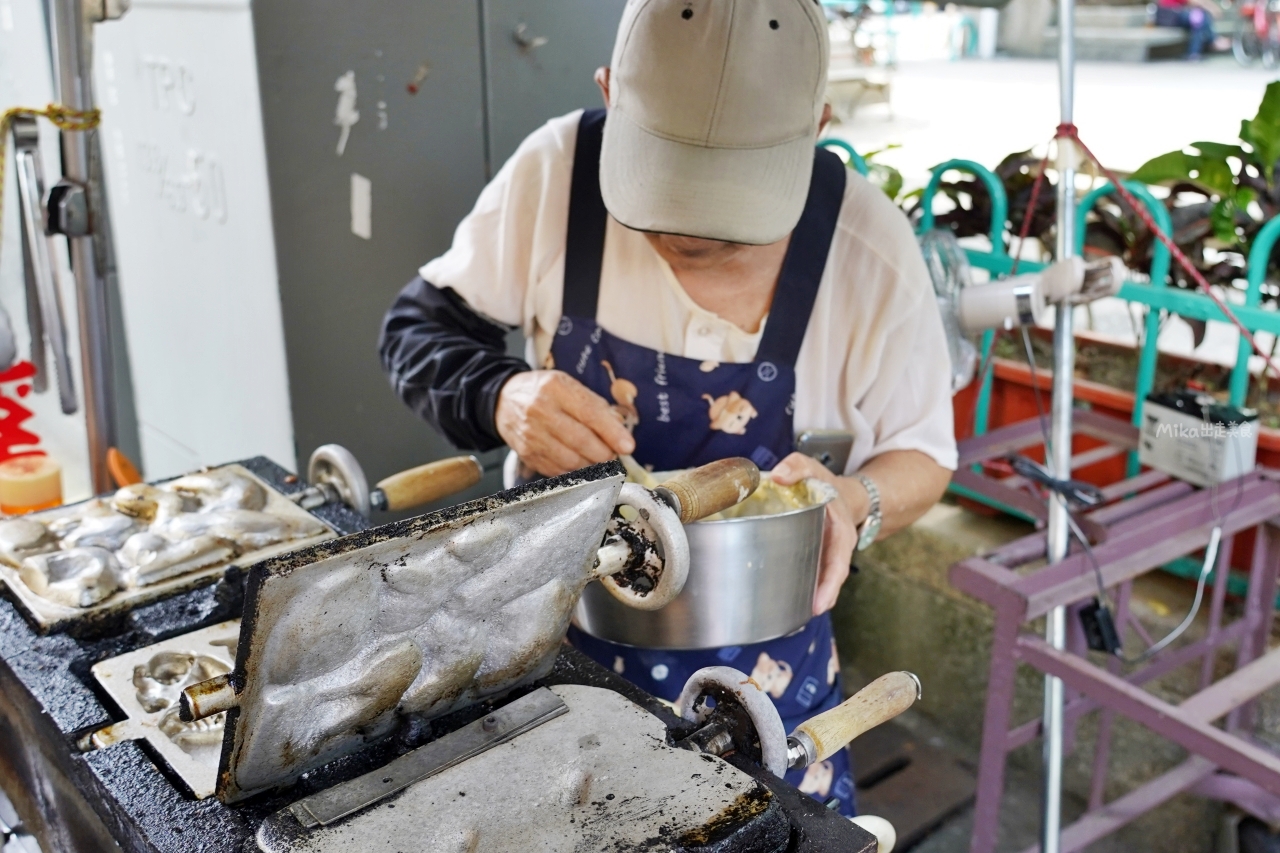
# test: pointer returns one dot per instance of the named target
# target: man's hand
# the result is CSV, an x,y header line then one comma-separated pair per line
x,y
909,482
840,535
555,424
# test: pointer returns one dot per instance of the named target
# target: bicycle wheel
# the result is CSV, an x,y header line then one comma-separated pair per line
x,y
1240,51
1270,47
1245,45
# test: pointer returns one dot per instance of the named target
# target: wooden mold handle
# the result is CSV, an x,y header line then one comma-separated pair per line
x,y
715,486
427,483
878,702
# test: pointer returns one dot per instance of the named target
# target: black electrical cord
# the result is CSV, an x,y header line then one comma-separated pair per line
x,y
1077,492
1073,491
1035,388
1086,494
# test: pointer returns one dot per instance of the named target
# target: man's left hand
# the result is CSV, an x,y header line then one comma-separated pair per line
x,y
840,535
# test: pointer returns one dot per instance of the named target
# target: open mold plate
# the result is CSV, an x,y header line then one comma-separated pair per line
x,y
597,776
419,617
146,685
188,530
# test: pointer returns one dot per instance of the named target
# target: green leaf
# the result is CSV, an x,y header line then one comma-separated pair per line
x,y
1219,150
1246,133
893,184
1173,166
887,178
1215,175
1245,196
890,147
1223,220
1263,132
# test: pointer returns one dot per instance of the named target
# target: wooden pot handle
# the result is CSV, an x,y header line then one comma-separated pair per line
x,y
427,483
878,702
713,487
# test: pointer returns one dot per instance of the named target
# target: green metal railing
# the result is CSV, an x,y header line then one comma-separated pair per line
x,y
855,159
1141,293
1156,295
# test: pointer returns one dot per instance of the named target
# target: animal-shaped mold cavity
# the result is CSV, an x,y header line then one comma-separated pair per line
x,y
161,680
159,683
324,619
146,685
483,543
146,541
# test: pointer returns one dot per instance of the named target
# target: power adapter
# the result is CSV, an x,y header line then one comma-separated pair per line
x,y
1099,628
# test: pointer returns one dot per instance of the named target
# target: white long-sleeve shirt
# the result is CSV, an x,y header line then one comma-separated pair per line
x,y
874,359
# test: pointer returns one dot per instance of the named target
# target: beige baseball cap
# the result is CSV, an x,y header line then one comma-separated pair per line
x,y
714,111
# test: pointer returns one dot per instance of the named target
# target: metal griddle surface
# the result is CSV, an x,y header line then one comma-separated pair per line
x,y
48,679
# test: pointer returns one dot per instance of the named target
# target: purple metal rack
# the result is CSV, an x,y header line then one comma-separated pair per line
x,y
1152,521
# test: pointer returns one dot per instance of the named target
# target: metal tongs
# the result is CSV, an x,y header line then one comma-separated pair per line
x,y
44,298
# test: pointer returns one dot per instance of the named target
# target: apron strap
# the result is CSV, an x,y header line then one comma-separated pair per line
x,y
801,269
806,259
584,247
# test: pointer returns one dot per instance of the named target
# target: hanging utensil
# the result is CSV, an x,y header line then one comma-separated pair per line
x,y
48,326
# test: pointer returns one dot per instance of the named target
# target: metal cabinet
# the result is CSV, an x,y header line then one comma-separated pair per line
x,y
439,112
374,127
277,171
540,62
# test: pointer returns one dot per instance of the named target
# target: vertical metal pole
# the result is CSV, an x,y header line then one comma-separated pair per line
x,y
71,40
1064,363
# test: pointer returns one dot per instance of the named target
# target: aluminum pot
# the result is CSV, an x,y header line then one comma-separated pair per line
x,y
750,579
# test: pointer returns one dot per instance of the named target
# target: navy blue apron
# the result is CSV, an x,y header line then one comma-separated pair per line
x,y
685,412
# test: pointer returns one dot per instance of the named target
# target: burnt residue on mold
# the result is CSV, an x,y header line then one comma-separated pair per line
x,y
642,572
813,825
734,718
753,821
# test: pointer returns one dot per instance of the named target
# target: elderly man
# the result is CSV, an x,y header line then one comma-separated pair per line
x,y
695,281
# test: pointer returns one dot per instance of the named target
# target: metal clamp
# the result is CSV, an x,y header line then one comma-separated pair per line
x,y
47,323
772,735
334,469
98,11
67,209
644,561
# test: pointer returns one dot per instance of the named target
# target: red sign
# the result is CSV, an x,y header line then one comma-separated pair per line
x,y
15,439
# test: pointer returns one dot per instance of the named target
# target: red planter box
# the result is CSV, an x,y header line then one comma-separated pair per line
x,y
1013,399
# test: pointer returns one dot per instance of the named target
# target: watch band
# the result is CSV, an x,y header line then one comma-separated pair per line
x,y
870,527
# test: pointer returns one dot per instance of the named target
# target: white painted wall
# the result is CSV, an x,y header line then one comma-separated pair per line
x,y
26,79
186,177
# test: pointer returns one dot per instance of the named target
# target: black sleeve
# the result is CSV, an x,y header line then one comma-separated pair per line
x,y
447,363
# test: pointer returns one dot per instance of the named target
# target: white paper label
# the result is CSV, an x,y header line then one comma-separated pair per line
x,y
361,206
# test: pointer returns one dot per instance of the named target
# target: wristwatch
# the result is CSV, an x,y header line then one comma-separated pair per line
x,y
870,528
